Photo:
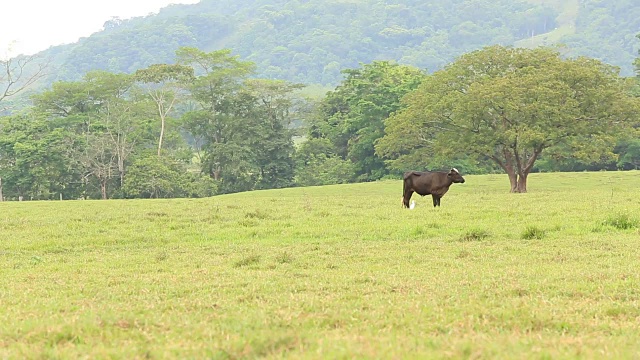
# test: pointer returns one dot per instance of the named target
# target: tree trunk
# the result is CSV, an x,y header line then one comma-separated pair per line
x,y
161,134
515,168
522,183
163,112
518,182
121,169
513,180
1,195
103,189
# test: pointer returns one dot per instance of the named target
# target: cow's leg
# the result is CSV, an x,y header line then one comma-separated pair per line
x,y
436,200
406,198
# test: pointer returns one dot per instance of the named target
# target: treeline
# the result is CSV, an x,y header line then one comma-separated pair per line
x,y
205,126
606,30
195,128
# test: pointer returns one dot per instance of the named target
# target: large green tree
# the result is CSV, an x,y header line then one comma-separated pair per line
x,y
272,101
352,116
217,126
510,105
34,161
239,126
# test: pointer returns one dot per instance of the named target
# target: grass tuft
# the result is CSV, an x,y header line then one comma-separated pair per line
x,y
246,261
257,214
475,235
157,214
621,221
284,258
162,256
533,232
418,231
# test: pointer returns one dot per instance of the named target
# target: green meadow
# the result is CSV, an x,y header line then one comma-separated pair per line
x,y
329,272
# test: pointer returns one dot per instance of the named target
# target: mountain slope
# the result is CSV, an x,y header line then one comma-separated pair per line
x,y
311,41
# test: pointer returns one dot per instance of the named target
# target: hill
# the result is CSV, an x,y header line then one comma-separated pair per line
x,y
311,41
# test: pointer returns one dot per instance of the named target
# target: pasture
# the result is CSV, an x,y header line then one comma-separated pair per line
x,y
329,272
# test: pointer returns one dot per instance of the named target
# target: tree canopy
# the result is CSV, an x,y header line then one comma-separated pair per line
x,y
510,105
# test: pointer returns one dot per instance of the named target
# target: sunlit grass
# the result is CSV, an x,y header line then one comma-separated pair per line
x,y
329,272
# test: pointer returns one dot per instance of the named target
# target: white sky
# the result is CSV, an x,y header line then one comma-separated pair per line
x,y
29,26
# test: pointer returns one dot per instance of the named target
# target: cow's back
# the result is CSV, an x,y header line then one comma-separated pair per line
x,y
419,181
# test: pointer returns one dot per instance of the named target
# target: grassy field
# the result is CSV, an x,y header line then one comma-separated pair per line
x,y
329,272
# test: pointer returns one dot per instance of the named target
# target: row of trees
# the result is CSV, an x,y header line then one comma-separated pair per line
x,y
193,128
202,126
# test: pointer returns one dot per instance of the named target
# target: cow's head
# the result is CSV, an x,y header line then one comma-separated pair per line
x,y
455,176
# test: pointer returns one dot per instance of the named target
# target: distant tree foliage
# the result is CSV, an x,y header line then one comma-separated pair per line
x,y
606,30
318,164
306,41
352,116
212,131
312,41
152,176
239,126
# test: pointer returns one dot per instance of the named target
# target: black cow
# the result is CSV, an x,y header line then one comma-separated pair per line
x,y
435,183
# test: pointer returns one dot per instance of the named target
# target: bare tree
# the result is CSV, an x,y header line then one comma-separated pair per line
x,y
17,74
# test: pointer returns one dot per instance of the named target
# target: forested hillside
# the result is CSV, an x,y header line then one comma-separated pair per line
x,y
312,41
607,30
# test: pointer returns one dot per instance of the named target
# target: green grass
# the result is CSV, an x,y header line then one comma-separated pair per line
x,y
329,272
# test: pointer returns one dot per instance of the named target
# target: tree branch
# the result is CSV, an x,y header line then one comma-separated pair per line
x,y
536,152
14,79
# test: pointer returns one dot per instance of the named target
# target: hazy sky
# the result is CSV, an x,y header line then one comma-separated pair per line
x,y
29,26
